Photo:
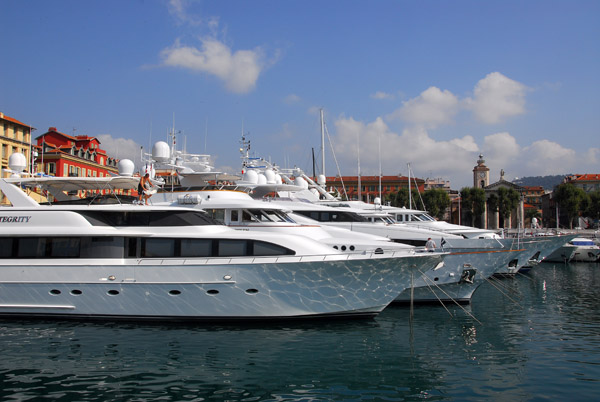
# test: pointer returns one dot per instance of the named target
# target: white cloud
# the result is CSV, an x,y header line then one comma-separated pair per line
x,y
432,108
546,157
412,145
501,149
382,95
120,148
454,159
239,70
291,98
497,97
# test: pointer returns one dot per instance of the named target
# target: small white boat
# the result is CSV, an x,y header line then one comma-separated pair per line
x,y
578,249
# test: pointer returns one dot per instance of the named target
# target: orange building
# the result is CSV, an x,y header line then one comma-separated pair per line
x,y
370,186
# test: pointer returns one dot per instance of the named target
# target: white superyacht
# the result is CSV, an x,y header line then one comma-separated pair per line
x,y
167,263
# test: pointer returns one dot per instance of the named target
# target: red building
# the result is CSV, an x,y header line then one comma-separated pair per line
x,y
63,155
370,186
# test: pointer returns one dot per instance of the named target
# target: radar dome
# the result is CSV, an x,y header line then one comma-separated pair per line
x,y
321,180
161,152
262,179
270,176
125,167
299,181
17,162
250,177
377,201
278,179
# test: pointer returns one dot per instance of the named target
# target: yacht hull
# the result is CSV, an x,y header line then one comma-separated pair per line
x,y
238,289
464,270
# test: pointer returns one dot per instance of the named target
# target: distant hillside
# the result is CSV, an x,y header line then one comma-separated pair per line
x,y
548,182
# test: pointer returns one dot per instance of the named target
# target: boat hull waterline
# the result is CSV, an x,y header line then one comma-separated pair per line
x,y
147,289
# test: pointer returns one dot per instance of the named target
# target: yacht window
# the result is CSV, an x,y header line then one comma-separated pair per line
x,y
65,247
6,247
248,217
264,248
260,215
196,247
102,247
155,248
31,247
216,214
235,215
232,248
148,218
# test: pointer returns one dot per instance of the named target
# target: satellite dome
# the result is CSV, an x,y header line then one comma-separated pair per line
x,y
321,180
270,176
250,177
262,179
161,152
299,181
278,179
17,162
126,167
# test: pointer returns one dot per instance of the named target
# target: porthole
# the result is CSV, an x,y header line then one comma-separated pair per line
x,y
76,292
113,292
212,292
55,292
352,248
343,248
336,247
174,292
252,291
436,279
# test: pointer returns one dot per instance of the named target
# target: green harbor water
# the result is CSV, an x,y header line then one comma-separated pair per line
x,y
535,337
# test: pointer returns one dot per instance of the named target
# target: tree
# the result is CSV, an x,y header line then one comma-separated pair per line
x,y
473,202
593,210
571,200
436,202
508,200
400,199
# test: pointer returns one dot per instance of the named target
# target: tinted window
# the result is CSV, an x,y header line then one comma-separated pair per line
x,y
158,248
102,247
67,247
31,247
232,248
263,248
148,218
196,247
6,247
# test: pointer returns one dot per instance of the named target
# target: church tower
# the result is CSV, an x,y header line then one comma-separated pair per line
x,y
481,174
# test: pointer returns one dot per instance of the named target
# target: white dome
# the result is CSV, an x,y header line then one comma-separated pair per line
x,y
250,177
161,152
17,162
278,179
321,180
377,201
262,179
126,167
270,176
299,181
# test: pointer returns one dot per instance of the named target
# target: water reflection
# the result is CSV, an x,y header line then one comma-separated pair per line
x,y
537,343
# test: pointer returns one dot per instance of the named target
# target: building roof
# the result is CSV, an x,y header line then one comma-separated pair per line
x,y
13,120
54,130
585,177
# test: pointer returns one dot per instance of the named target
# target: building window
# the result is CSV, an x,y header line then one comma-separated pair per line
x,y
51,168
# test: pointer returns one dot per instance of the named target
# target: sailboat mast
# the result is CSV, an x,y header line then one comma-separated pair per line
x,y
358,158
322,144
409,192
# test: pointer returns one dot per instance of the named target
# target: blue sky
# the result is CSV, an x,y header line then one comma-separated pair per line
x,y
430,83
